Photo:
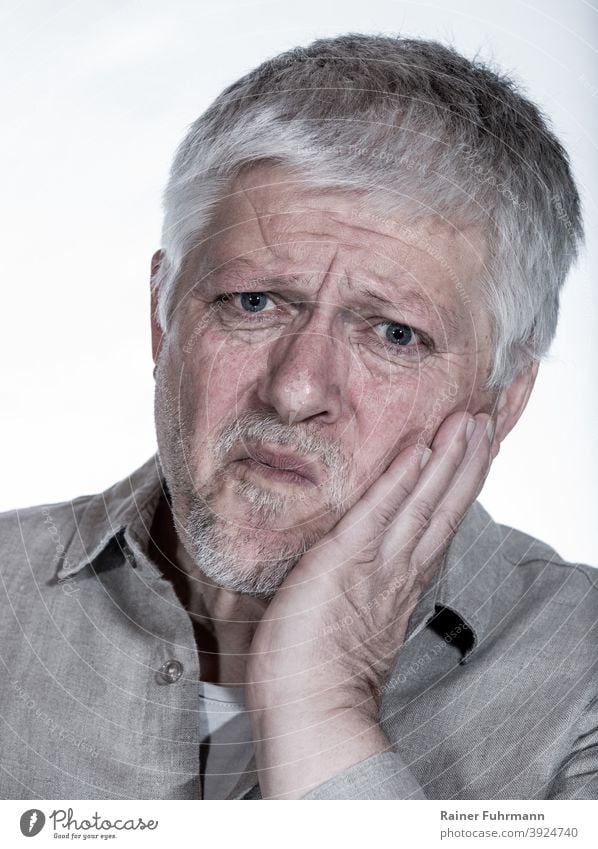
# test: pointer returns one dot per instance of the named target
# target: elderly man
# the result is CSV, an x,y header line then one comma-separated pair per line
x,y
299,596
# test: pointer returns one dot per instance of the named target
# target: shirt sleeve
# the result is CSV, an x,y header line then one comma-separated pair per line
x,y
577,777
381,776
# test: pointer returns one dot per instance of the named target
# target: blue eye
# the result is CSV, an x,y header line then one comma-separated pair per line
x,y
399,334
253,301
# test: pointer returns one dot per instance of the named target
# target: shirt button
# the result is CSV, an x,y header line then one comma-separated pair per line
x,y
170,672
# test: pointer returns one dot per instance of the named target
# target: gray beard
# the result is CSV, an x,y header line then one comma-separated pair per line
x,y
214,548
214,544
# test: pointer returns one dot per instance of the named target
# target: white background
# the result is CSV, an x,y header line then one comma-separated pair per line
x,y
96,95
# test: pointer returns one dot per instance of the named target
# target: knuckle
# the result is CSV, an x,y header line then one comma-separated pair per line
x,y
421,512
449,521
385,510
386,513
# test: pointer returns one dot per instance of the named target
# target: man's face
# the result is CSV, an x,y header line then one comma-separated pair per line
x,y
312,333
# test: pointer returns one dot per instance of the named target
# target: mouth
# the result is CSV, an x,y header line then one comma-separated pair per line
x,y
280,465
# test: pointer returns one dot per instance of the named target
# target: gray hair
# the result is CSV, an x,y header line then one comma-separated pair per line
x,y
418,124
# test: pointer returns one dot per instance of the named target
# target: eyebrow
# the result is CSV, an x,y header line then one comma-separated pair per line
x,y
409,297
417,303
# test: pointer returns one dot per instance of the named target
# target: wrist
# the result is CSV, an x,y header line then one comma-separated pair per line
x,y
298,751
324,702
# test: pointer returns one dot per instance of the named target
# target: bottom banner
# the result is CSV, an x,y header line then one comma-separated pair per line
x,y
343,824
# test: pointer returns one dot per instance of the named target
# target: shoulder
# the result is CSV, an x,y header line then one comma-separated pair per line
x,y
551,600
57,539
522,558
530,609
568,582
36,537
31,520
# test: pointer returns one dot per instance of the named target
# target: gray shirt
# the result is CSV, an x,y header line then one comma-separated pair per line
x,y
226,738
492,696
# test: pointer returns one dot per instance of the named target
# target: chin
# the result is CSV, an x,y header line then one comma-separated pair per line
x,y
241,564
252,559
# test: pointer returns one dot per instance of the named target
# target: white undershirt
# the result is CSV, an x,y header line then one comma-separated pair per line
x,y
225,732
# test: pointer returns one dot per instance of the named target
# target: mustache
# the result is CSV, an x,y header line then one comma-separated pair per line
x,y
254,426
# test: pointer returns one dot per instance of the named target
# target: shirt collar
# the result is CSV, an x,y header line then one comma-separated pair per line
x,y
468,583
129,503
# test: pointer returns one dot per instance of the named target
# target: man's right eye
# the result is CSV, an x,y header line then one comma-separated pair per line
x,y
253,301
246,302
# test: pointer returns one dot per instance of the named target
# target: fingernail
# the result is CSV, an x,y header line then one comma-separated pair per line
x,y
490,428
425,456
469,429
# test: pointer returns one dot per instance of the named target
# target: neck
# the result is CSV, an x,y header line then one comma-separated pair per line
x,y
224,622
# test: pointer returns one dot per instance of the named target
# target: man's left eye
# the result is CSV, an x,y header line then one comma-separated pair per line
x,y
403,341
397,334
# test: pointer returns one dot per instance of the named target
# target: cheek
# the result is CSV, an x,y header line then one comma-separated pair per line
x,y
219,375
397,415
433,407
388,417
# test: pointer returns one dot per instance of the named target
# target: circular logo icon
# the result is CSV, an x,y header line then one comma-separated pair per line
x,y
32,822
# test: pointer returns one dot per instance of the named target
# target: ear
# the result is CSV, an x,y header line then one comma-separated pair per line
x,y
157,332
511,403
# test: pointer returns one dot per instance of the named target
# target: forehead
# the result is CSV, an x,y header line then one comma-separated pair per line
x,y
274,222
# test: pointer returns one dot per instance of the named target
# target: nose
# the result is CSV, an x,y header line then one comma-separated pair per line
x,y
306,374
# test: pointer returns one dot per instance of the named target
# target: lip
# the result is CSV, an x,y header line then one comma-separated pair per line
x,y
302,469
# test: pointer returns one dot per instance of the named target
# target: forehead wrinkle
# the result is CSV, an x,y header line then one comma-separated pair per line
x,y
257,216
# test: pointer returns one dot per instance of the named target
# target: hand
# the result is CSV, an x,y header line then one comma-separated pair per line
x,y
328,639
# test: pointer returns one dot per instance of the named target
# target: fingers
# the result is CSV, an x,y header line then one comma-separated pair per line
x,y
416,505
378,506
446,488
460,495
